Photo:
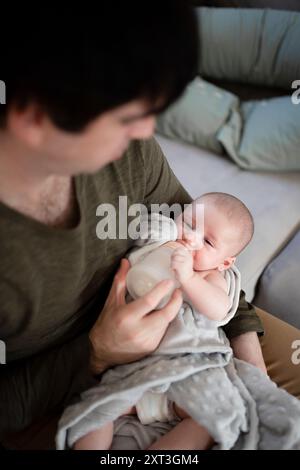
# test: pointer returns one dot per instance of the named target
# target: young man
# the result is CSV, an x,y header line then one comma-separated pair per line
x,y
82,95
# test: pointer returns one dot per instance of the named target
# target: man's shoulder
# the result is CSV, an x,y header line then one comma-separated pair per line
x,y
135,156
128,175
139,159
144,149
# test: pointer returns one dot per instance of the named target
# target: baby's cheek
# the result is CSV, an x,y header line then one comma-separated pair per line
x,y
198,259
203,260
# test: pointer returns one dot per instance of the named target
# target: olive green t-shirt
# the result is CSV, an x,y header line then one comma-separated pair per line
x,y
54,281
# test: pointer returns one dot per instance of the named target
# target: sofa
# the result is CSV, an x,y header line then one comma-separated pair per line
x,y
270,265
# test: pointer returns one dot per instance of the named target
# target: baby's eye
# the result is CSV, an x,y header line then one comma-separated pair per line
x,y
208,242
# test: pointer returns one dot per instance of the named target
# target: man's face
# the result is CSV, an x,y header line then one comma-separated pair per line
x,y
103,140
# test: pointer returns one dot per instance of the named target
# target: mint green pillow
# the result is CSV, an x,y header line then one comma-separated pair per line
x,y
270,139
198,115
250,45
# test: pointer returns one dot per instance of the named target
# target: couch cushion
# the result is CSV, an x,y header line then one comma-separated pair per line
x,y
270,38
278,4
272,198
247,92
278,289
270,139
271,136
198,115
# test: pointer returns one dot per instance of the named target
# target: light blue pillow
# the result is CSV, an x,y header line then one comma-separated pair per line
x,y
270,139
198,115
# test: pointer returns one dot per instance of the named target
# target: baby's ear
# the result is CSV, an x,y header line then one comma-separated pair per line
x,y
227,263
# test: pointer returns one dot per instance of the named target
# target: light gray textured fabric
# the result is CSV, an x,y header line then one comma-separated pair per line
x,y
236,402
271,424
193,364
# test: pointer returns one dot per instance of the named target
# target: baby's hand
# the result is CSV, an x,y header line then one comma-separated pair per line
x,y
182,263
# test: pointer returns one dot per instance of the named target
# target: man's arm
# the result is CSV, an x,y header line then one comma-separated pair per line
x,y
245,320
247,348
43,384
243,331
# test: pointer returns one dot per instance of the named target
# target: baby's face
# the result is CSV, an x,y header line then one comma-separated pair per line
x,y
213,241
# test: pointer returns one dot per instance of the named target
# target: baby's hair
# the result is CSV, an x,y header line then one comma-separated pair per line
x,y
237,212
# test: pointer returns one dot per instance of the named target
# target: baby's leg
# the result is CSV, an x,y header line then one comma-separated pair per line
x,y
186,435
100,439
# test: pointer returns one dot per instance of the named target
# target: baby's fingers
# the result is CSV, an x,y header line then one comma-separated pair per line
x,y
178,262
180,257
181,251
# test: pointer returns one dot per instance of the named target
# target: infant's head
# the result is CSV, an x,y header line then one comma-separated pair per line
x,y
226,230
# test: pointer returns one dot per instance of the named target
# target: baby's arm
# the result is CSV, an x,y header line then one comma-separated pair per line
x,y
208,294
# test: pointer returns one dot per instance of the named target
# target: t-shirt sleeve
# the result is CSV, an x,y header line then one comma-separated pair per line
x,y
161,185
244,321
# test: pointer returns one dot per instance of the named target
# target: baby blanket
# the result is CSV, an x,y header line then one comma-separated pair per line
x,y
238,404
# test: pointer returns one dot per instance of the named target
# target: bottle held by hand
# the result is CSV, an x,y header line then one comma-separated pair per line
x,y
149,271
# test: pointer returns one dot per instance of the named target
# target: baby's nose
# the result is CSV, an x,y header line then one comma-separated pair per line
x,y
194,239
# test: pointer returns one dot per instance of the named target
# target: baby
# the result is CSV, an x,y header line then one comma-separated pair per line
x,y
198,260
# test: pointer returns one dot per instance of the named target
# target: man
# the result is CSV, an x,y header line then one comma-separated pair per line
x,y
75,133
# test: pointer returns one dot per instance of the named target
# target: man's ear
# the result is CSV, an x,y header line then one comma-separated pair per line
x,y
228,262
27,124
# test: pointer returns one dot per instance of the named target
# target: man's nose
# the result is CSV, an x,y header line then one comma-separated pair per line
x,y
142,129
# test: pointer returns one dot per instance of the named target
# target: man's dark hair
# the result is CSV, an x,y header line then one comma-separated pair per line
x,y
79,65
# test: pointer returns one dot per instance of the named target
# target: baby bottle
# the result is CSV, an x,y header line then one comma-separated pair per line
x,y
149,271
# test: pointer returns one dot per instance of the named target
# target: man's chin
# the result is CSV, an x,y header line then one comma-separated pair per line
x,y
99,167
118,155
96,166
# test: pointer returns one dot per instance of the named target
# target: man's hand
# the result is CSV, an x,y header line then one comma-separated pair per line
x,y
247,348
182,262
127,332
